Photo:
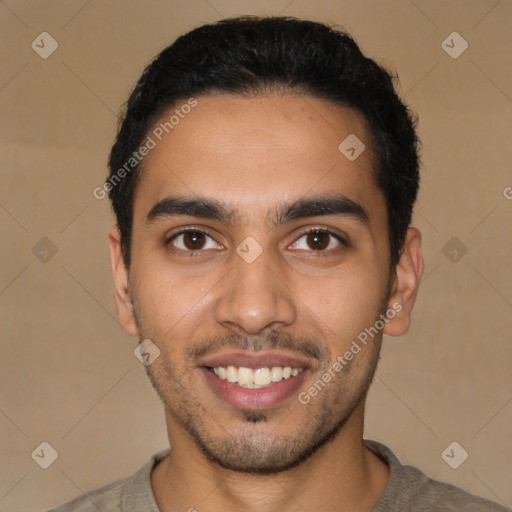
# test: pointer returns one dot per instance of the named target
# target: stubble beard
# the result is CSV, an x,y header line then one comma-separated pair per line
x,y
253,449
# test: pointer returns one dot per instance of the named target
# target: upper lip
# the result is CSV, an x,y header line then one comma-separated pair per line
x,y
254,360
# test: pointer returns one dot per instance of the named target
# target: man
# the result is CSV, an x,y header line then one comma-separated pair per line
x,y
263,180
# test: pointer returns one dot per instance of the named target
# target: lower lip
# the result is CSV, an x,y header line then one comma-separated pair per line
x,y
254,398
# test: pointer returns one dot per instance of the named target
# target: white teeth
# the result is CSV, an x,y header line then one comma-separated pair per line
x,y
245,376
262,377
259,378
231,374
277,373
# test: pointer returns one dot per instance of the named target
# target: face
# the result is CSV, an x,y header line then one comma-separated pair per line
x,y
259,254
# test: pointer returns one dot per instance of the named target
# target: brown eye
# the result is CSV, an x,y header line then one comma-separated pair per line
x,y
194,240
318,241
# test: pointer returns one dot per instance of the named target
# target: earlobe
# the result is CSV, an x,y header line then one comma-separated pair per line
x,y
120,277
406,280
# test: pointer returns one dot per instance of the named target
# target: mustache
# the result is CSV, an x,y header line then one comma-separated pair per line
x,y
309,346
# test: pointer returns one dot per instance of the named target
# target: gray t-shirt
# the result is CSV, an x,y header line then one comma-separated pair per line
x,y
408,490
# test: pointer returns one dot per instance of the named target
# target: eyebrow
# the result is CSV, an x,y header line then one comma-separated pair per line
x,y
212,209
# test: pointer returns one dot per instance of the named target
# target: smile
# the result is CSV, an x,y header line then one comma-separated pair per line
x,y
254,378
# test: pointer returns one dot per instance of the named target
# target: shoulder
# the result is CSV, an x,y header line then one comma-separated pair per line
x,y
106,498
410,489
130,494
449,498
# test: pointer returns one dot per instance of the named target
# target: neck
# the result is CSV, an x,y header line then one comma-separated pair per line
x,y
342,475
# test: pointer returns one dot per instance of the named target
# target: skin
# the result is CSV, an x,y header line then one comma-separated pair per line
x,y
253,154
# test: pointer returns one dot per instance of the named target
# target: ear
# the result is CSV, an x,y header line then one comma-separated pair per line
x,y
122,293
405,284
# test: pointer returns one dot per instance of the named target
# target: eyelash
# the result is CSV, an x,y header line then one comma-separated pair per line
x,y
190,253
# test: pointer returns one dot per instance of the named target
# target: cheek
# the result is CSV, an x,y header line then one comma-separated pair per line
x,y
347,300
170,301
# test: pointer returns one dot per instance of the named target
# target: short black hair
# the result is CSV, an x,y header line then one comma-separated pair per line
x,y
252,55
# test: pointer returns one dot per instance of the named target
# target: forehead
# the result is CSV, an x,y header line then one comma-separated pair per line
x,y
253,153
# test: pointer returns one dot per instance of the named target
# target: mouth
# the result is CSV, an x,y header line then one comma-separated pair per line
x,y
254,381
257,378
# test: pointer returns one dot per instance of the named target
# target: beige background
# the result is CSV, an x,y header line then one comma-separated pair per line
x,y
68,374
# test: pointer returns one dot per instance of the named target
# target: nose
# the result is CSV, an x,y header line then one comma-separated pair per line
x,y
254,297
